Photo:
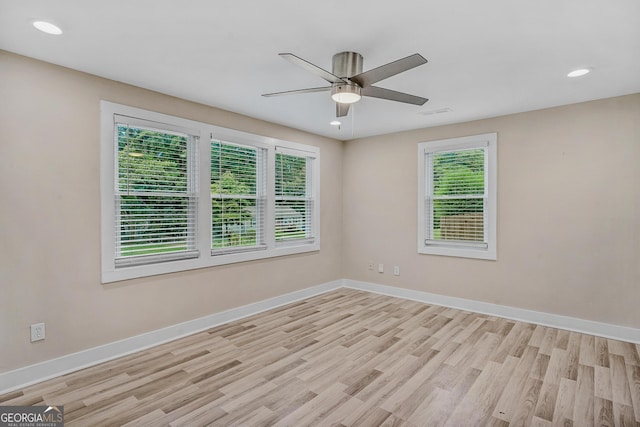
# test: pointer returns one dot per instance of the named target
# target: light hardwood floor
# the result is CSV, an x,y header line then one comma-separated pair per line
x,y
352,358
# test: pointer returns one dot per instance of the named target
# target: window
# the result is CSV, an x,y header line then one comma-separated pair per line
x,y
457,197
238,198
294,197
179,194
155,195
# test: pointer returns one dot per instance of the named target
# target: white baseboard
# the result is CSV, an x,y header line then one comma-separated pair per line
x,y
28,375
605,330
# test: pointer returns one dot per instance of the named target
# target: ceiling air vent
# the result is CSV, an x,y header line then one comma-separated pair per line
x,y
438,111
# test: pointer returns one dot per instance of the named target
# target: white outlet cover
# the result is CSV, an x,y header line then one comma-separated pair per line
x,y
37,332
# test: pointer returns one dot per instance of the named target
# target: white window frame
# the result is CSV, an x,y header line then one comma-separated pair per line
x,y
460,249
204,133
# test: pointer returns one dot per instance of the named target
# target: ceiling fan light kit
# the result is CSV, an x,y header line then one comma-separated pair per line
x,y
349,84
345,93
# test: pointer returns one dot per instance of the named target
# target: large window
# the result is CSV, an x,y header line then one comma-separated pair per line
x,y
179,194
457,197
155,197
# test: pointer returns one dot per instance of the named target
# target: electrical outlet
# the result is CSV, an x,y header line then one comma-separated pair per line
x,y
380,268
396,270
371,265
37,332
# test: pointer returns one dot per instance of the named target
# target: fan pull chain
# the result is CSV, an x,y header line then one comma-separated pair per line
x,y
353,120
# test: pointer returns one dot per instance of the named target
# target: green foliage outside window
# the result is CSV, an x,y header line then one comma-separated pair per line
x,y
458,189
235,200
152,183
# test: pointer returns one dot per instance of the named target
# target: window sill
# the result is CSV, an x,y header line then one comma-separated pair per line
x,y
134,272
477,253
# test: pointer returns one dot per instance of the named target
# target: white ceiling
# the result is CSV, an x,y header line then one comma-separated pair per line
x,y
486,58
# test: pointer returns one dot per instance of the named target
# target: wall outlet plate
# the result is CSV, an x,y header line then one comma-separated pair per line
x,y
37,332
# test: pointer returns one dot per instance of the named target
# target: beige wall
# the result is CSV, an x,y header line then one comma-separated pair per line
x,y
50,221
568,217
568,213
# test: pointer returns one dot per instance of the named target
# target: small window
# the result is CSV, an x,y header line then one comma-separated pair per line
x,y
294,198
457,197
238,198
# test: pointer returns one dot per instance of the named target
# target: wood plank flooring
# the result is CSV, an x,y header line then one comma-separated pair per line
x,y
352,358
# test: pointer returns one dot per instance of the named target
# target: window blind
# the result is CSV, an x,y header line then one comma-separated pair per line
x,y
456,197
171,201
294,199
237,197
154,195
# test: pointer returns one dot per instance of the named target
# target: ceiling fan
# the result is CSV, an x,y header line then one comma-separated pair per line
x,y
349,83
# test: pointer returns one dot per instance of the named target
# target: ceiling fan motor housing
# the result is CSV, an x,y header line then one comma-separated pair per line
x,y
347,64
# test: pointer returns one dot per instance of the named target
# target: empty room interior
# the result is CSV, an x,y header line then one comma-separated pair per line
x,y
345,213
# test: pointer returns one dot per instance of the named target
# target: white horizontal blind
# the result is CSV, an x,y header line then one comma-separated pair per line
x,y
294,198
155,195
456,199
163,191
237,197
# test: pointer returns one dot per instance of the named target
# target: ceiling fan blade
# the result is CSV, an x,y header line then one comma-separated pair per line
x,y
297,91
331,78
342,109
392,95
385,71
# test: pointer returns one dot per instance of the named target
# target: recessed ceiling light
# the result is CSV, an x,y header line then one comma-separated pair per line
x,y
579,72
335,123
47,27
